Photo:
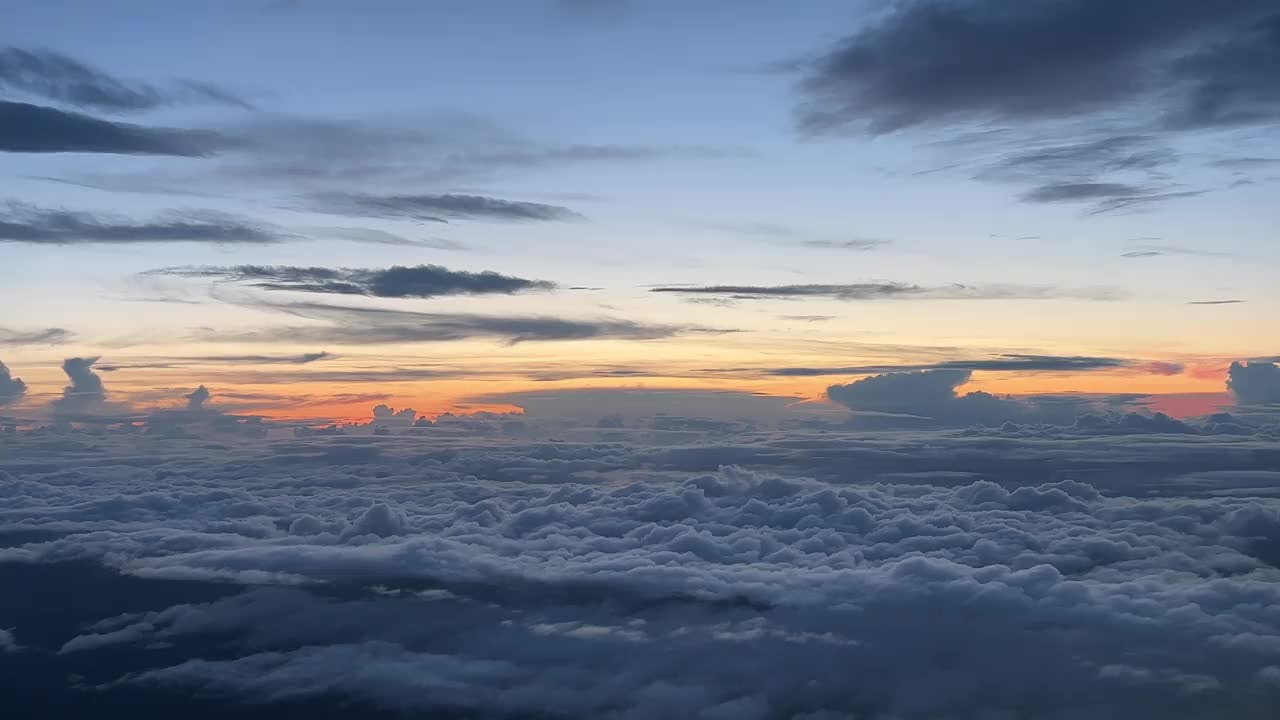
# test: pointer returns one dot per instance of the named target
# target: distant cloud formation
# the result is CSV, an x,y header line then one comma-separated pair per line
x,y
11,388
1003,363
421,281
22,223
197,398
1254,383
45,336
884,291
86,391
1232,301
440,208
27,128
61,78
928,399
347,325
1176,63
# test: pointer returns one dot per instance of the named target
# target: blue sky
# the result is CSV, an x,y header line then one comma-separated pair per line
x,y
680,138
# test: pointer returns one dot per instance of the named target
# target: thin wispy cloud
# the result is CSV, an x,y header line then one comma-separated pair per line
x,y
348,325
421,281
22,223
55,76
886,291
27,128
440,208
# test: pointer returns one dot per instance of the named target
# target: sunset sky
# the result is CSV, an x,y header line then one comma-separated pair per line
x,y
671,195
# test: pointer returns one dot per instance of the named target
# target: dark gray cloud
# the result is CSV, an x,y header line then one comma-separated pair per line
x,y
1003,363
1254,383
440,208
347,325
884,291
1231,80
45,336
55,76
421,281
26,128
23,223
86,391
1216,302
11,388
931,62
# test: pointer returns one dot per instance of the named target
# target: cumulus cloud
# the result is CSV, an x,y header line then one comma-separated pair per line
x,y
21,223
928,398
55,76
440,208
1254,383
86,391
27,128
398,281
884,291
11,388
197,398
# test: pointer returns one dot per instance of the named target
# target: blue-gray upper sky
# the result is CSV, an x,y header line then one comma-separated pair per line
x,y
693,193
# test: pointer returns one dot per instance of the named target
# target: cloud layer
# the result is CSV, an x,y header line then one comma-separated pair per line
x,y
618,580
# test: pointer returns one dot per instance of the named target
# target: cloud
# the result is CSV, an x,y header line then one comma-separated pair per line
x,y
421,281
925,62
928,398
47,336
1245,163
1002,363
346,325
11,388
1254,383
381,237
9,642
86,391
1109,196
175,361
197,398
1216,302
58,77
26,128
1148,250
492,577
1082,159
1231,80
440,208
883,291
21,223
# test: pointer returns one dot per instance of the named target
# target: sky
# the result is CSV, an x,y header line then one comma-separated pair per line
x,y
683,195
623,360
